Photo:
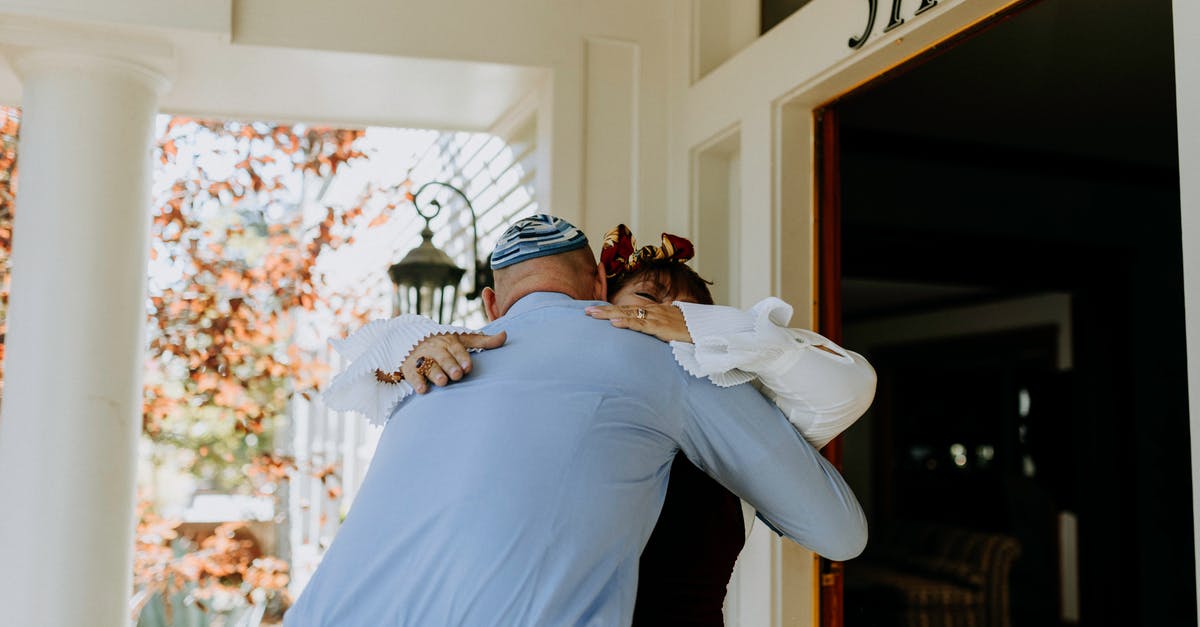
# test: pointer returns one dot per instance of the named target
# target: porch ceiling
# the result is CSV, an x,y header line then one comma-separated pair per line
x,y
256,82
219,79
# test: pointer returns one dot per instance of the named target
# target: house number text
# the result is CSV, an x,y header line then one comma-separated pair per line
x,y
894,21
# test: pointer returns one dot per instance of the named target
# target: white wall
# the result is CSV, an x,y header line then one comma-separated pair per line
x,y
209,17
721,29
1187,74
716,210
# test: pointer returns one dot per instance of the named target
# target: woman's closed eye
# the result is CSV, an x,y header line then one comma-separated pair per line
x,y
651,297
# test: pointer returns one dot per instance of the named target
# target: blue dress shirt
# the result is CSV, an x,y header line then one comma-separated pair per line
x,y
523,494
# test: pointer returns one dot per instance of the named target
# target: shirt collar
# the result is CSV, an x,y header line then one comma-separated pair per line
x,y
537,300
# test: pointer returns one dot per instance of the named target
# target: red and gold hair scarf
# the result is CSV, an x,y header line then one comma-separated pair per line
x,y
620,254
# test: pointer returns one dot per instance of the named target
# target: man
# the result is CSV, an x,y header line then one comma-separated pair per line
x,y
524,494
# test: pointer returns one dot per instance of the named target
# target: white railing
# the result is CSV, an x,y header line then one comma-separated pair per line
x,y
323,439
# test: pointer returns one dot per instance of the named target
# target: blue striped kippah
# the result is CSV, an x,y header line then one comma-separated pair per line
x,y
536,236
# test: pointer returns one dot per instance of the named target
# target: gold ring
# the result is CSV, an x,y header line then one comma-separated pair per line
x,y
641,314
424,366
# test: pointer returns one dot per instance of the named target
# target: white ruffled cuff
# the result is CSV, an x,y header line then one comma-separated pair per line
x,y
729,344
822,392
382,345
685,355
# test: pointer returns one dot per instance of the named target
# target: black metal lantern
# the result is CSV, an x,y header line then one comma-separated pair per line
x,y
427,279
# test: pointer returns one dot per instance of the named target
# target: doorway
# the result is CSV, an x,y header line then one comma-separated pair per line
x,y
1001,238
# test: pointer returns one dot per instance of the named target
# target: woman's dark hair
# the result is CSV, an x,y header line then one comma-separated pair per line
x,y
677,279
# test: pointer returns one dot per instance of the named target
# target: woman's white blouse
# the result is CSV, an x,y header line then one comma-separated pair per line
x,y
821,387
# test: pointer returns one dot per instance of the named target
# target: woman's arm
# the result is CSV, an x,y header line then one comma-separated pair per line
x,y
736,436
397,344
821,387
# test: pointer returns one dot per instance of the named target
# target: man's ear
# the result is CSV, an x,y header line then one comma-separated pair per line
x,y
601,282
489,304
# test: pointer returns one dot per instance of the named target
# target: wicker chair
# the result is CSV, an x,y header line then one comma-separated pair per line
x,y
928,575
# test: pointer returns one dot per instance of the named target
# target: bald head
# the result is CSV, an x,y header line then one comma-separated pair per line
x,y
574,273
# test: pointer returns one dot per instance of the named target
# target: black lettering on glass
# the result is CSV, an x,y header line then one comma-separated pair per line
x,y
857,42
895,20
925,6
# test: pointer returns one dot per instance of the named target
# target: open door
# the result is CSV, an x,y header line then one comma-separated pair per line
x,y
985,269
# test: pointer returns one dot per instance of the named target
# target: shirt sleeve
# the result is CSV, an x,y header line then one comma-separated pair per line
x,y
821,387
382,345
737,437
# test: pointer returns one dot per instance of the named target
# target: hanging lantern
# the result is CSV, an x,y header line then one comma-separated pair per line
x,y
427,280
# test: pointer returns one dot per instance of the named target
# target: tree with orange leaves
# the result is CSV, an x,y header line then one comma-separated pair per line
x,y
233,259
10,123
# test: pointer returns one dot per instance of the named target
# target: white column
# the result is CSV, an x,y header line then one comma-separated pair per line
x,y
72,394
1187,94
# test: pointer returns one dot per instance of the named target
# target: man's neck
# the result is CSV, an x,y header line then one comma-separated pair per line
x,y
523,290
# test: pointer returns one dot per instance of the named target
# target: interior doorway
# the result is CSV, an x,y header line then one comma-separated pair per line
x,y
1001,238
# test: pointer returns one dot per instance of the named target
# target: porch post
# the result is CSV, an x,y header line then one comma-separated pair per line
x,y
72,392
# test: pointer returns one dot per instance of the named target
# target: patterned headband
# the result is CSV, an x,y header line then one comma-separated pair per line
x,y
620,254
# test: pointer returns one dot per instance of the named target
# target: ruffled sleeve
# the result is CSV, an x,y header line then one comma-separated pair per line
x,y
821,387
382,345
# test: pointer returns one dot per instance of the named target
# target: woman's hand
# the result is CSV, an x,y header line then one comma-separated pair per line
x,y
664,322
444,358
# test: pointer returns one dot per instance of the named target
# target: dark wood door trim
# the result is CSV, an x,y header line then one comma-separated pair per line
x,y
829,313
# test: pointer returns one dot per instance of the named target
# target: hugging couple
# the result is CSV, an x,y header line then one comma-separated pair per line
x,y
595,455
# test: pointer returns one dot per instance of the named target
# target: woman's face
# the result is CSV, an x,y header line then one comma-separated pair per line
x,y
642,291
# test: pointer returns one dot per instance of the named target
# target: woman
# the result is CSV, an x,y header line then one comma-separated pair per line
x,y
686,564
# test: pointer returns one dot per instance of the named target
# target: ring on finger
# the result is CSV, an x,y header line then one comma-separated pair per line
x,y
424,365
641,313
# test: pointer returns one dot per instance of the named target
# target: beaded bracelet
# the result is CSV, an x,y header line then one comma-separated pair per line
x,y
423,368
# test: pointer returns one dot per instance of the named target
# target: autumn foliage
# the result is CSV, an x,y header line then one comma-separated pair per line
x,y
10,123
240,254
223,568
